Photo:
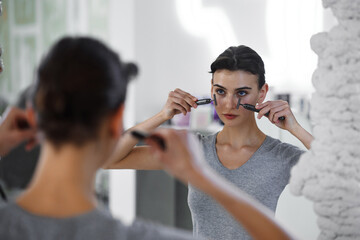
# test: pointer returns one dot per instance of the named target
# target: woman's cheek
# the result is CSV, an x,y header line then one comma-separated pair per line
x,y
248,99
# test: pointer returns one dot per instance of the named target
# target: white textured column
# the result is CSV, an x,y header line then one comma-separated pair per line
x,y
329,174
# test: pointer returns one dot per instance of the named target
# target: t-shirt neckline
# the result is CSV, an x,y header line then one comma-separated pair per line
x,y
246,163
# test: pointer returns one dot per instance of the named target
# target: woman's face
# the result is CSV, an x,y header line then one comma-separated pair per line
x,y
229,87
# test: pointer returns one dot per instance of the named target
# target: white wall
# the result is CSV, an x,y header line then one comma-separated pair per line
x,y
122,182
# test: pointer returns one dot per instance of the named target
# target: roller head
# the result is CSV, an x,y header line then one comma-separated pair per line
x,y
238,103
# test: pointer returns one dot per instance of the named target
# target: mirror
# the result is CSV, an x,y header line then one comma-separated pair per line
x,y
174,44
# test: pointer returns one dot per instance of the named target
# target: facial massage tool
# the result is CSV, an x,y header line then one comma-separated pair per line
x,y
204,101
141,136
215,100
252,108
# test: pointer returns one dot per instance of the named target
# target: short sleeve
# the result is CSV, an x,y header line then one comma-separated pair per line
x,y
291,154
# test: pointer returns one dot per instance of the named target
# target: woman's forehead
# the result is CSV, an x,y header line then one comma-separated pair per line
x,y
233,79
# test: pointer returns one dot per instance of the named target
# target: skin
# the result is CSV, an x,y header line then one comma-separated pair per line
x,y
65,174
240,137
10,133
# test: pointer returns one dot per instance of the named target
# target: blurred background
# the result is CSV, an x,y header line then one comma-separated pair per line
x,y
174,42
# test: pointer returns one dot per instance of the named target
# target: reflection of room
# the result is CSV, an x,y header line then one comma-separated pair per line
x,y
174,44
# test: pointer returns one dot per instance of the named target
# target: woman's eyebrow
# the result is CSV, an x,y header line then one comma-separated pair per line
x,y
242,88
217,85
237,89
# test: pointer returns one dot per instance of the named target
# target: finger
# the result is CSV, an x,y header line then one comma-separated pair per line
x,y
18,112
271,104
261,105
184,100
178,108
171,137
189,99
182,103
273,115
22,135
268,107
31,144
277,115
153,144
263,111
155,149
14,113
19,119
183,93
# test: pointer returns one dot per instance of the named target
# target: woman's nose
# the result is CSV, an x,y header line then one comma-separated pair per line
x,y
231,102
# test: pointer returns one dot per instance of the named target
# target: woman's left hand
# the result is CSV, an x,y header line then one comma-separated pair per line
x,y
277,109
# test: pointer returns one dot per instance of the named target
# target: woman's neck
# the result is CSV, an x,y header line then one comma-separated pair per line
x,y
247,134
63,183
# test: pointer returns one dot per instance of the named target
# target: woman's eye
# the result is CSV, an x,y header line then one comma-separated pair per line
x,y
242,93
220,91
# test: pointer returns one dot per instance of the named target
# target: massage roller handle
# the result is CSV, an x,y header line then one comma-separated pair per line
x,y
142,135
252,108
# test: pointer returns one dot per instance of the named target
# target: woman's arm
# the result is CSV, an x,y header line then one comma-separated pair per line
x,y
127,156
184,159
281,108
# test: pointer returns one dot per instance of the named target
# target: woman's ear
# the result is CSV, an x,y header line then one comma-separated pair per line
x,y
262,93
116,122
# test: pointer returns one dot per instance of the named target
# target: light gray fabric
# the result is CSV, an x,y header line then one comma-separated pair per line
x,y
16,223
263,176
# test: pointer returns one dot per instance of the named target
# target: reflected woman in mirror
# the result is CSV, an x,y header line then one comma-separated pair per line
x,y
78,109
256,163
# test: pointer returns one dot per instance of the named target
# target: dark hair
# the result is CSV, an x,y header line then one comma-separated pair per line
x,y
79,83
241,58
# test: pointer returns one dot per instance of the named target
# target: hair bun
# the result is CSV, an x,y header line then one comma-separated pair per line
x,y
130,70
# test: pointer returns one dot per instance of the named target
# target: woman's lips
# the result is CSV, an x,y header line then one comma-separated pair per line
x,y
229,116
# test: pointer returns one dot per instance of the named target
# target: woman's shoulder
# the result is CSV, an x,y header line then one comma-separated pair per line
x,y
94,224
276,145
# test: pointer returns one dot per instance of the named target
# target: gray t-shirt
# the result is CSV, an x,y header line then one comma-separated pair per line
x,y
263,176
17,223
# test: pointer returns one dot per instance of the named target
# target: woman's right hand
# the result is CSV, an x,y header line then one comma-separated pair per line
x,y
178,101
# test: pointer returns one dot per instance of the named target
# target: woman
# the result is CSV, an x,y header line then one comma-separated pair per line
x,y
241,152
78,104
